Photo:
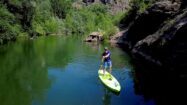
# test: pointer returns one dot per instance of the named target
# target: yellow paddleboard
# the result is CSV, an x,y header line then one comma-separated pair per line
x,y
109,80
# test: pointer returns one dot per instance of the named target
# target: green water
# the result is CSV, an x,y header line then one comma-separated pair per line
x,y
62,71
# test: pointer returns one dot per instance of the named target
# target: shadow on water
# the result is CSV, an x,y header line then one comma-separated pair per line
x,y
162,85
165,85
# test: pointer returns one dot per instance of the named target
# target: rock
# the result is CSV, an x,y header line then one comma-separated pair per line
x,y
158,44
166,47
162,56
184,4
150,21
94,37
118,38
157,36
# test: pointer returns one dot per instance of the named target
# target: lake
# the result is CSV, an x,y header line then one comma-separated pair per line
x,y
59,70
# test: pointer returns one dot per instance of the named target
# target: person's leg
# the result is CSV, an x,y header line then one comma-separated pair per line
x,y
105,67
110,66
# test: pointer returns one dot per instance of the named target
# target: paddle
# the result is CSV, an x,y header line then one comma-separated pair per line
x,y
101,63
101,67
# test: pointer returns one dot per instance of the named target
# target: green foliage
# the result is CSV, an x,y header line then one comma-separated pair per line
x,y
16,2
38,28
41,16
61,7
98,9
142,5
76,21
51,25
9,29
91,18
118,17
48,16
55,17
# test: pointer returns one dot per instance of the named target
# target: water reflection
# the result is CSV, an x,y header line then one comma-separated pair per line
x,y
107,97
162,85
22,78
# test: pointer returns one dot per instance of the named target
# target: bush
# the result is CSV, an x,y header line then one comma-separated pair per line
x,y
61,7
9,29
142,5
51,25
91,18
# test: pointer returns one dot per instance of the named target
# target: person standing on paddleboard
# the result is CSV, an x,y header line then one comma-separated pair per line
x,y
107,60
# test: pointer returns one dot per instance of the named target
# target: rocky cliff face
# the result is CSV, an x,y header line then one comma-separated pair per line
x,y
157,36
157,41
150,21
167,46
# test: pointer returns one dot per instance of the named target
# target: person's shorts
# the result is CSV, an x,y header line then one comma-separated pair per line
x,y
108,64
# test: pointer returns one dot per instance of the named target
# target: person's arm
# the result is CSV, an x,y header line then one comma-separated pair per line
x,y
107,55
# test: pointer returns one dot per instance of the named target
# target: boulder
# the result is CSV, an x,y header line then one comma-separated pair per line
x,y
94,37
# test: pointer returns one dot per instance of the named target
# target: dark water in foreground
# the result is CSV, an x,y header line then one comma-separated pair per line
x,y
62,71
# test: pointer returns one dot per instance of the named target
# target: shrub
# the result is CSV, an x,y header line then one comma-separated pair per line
x,y
142,5
91,18
9,29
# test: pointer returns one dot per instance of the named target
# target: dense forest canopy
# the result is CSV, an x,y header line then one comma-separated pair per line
x,y
44,17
